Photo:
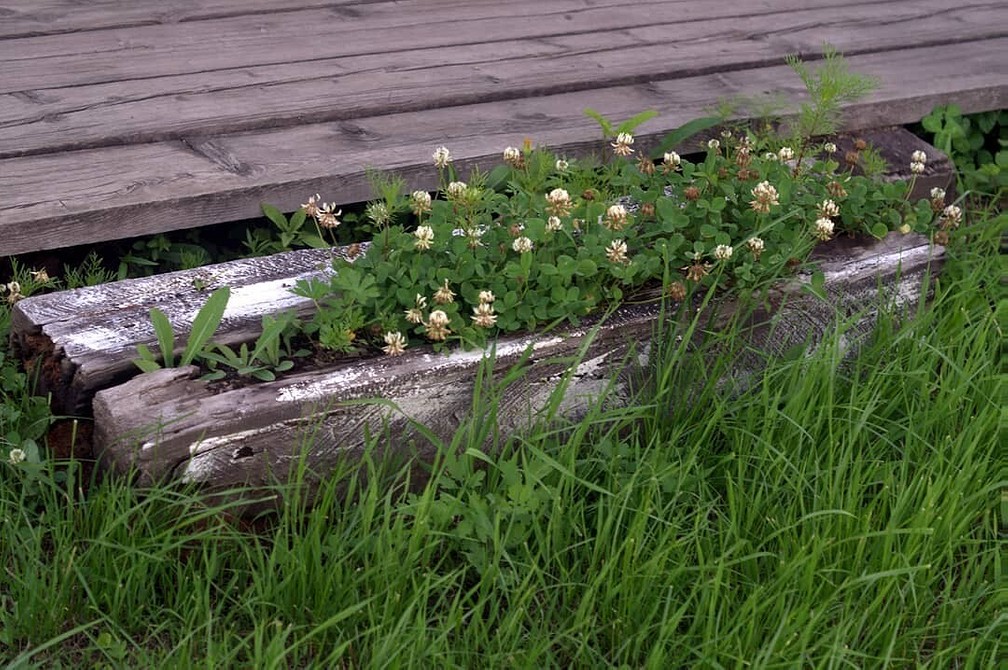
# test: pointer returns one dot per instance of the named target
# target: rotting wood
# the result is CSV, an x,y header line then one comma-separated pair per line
x,y
85,340
157,187
169,426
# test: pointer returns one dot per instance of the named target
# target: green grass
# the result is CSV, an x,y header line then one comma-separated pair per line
x,y
840,514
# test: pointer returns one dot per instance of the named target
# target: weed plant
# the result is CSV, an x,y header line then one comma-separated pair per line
x,y
835,515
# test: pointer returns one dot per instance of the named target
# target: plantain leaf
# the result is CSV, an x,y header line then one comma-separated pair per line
x,y
165,336
205,324
146,362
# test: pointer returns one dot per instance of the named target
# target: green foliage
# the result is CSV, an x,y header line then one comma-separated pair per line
x,y
271,353
843,513
90,272
680,135
830,86
544,262
610,129
288,233
977,144
204,324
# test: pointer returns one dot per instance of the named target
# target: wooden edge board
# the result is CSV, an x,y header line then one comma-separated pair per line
x,y
166,425
160,187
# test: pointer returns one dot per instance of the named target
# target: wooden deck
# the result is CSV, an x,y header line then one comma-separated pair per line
x,y
129,118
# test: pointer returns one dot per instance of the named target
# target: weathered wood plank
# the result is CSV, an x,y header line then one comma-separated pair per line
x,y
29,18
152,51
85,339
101,194
166,426
229,100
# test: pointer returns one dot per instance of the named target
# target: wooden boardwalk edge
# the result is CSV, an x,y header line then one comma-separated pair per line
x,y
165,186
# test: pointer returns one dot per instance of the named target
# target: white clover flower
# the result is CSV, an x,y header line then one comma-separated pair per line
x,y
522,245
765,196
561,165
725,134
328,215
785,153
824,228
616,252
917,167
953,215
444,294
623,146
442,157
395,343
558,202
487,296
424,237
616,217
829,148
672,159
421,202
937,193
16,456
770,156
437,325
918,157
713,144
723,252
553,223
483,315
456,189
513,156
756,246
311,208
829,209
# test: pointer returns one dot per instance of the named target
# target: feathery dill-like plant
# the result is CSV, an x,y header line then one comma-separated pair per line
x,y
829,86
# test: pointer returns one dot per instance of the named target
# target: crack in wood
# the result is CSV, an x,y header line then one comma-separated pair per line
x,y
218,155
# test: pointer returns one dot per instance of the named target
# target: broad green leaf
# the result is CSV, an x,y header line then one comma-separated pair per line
x,y
205,324
165,337
880,230
274,215
147,361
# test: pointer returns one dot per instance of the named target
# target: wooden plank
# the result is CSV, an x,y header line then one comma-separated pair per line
x,y
167,426
152,51
228,101
101,194
29,18
85,340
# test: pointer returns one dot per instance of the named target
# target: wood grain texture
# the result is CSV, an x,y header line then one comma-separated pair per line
x,y
31,18
93,195
147,108
168,426
86,339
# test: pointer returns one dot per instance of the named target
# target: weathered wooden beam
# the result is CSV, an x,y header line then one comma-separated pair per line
x,y
168,425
